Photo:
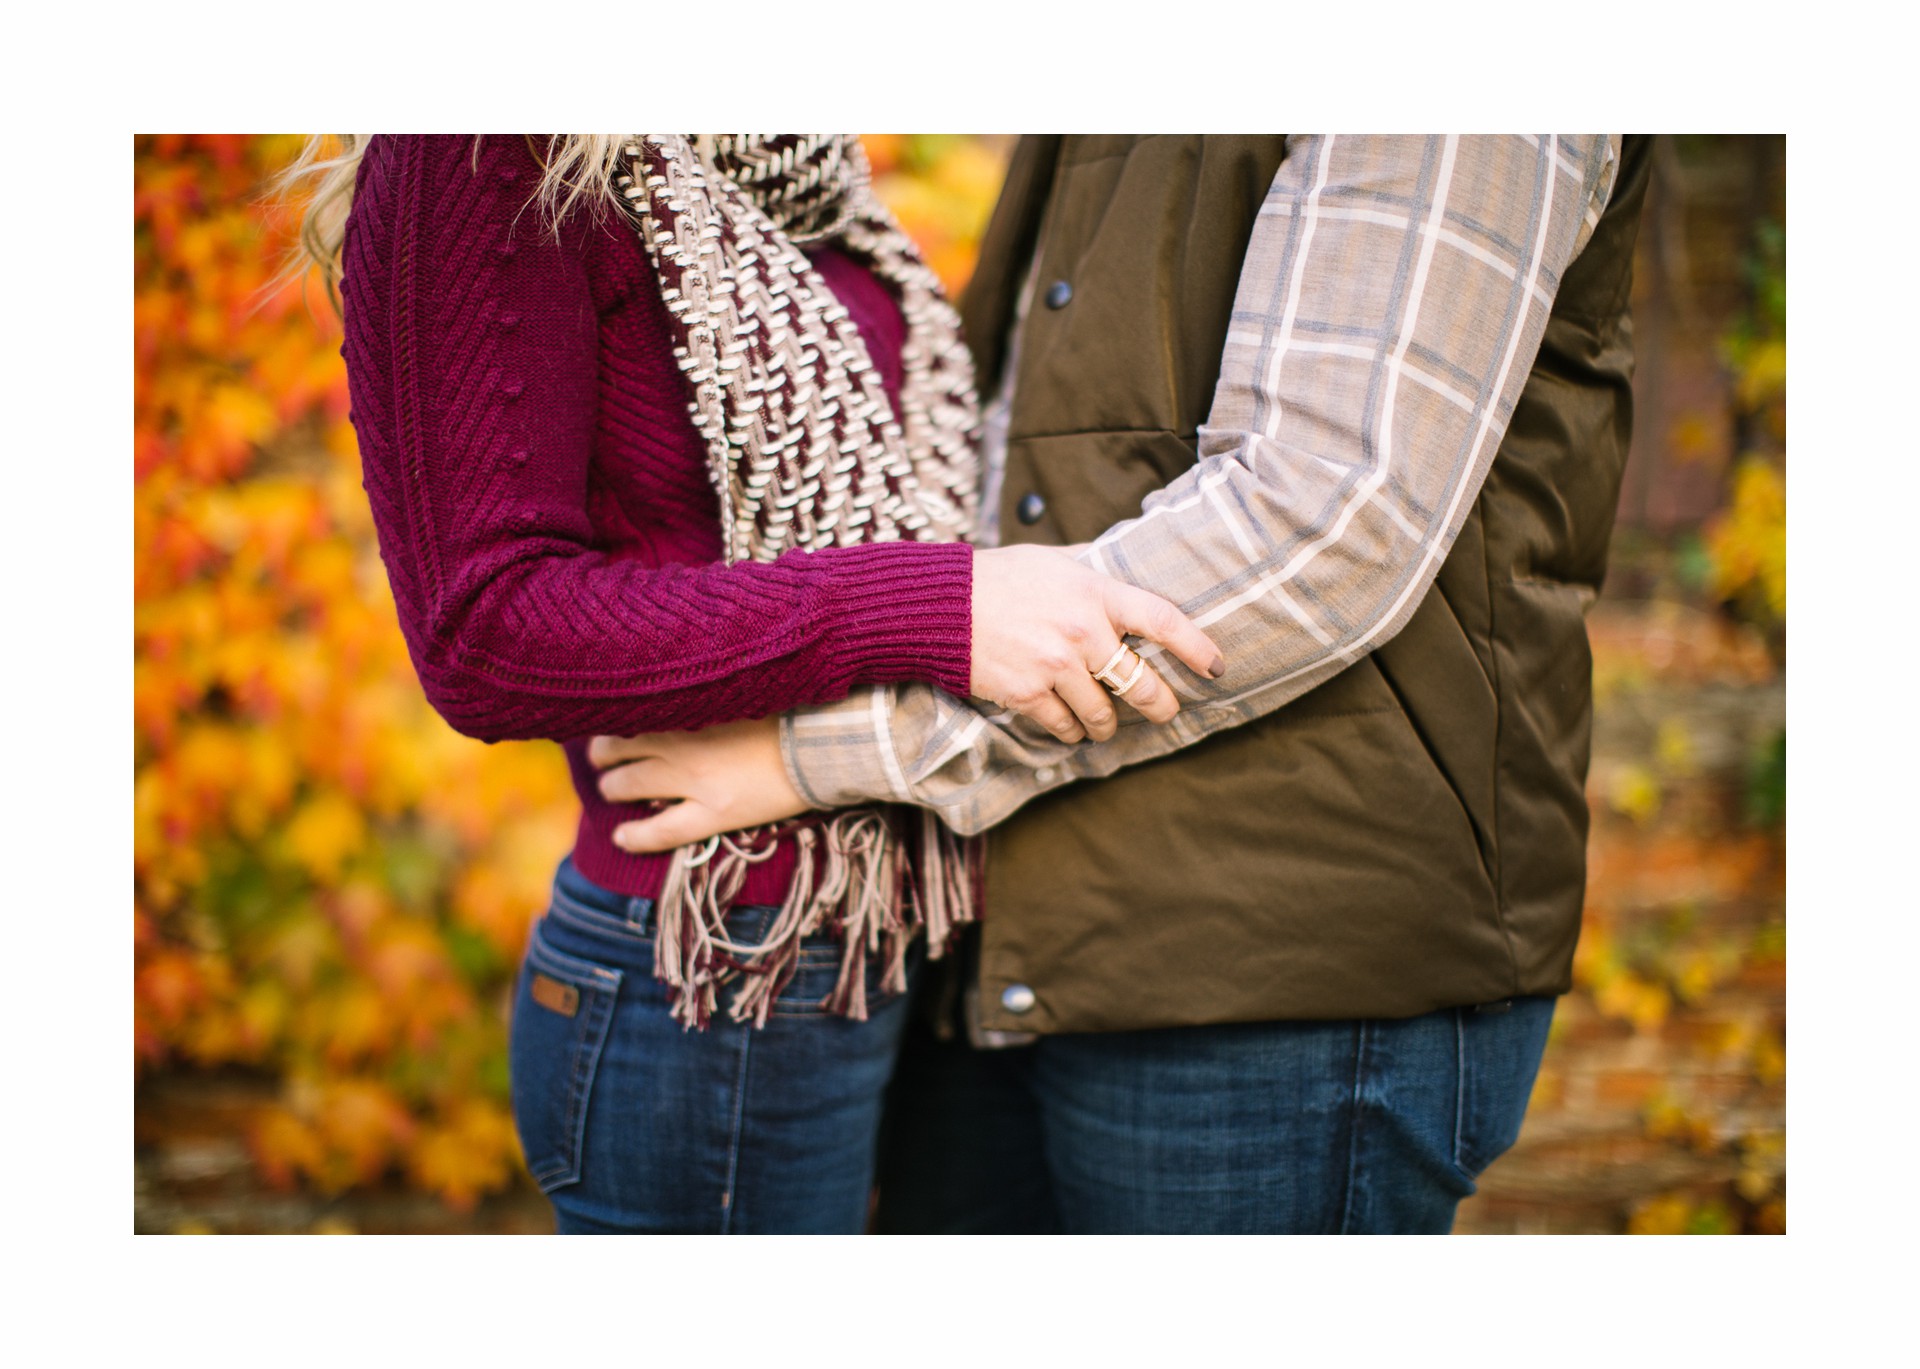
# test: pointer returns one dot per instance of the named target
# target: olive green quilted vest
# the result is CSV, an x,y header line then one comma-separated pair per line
x,y
1411,834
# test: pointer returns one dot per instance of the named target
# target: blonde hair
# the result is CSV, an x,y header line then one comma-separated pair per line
x,y
577,171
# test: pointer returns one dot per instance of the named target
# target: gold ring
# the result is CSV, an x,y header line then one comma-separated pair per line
x,y
1120,653
1106,676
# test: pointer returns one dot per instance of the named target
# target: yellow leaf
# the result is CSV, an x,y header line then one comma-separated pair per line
x,y
358,1024
470,1155
285,1147
1764,375
1674,747
1649,1008
364,1127
1663,1216
324,833
1634,793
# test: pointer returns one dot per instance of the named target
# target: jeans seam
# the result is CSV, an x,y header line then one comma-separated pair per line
x,y
1459,1088
577,1086
1353,1126
731,1199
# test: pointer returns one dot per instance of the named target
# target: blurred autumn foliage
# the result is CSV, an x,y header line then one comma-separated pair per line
x,y
332,888
1747,543
1661,1104
941,186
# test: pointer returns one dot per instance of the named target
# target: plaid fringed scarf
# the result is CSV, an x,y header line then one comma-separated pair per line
x,y
805,452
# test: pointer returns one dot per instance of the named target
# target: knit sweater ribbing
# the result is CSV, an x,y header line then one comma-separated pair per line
x,y
541,495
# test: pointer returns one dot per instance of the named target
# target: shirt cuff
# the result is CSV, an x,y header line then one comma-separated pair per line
x,y
840,755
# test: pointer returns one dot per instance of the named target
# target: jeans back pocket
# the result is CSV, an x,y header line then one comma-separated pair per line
x,y
561,1010
1500,1055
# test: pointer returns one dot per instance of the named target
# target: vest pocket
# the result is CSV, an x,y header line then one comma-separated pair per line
x,y
561,1011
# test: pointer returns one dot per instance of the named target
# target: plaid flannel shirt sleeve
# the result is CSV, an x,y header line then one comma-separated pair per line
x,y
1394,294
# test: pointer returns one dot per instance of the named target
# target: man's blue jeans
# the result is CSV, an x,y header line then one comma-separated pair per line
x,y
1355,1126
631,1123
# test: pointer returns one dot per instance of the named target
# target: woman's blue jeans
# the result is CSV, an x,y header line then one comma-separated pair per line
x,y
1348,1126
630,1123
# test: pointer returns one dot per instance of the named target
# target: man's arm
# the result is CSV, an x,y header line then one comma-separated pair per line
x,y
1394,294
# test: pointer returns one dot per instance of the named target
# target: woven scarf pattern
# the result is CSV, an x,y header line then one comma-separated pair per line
x,y
805,452
804,449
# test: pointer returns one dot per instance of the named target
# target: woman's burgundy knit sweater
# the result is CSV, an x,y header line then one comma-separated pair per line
x,y
541,494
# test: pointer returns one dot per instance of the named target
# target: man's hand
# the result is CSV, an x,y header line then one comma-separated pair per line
x,y
725,778
1043,623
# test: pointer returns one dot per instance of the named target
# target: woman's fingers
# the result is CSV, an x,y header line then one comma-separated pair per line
x,y
1151,698
1046,708
1038,613
605,751
1149,695
727,778
1054,715
648,778
1157,620
1090,702
681,825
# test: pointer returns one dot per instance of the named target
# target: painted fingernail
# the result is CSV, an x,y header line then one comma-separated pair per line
x,y
1218,668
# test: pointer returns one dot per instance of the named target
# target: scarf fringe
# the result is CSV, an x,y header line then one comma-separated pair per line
x,y
854,880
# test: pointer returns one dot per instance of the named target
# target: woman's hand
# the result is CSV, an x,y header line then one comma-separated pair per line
x,y
1043,623
725,778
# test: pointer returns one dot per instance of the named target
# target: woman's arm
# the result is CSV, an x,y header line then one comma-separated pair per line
x,y
473,362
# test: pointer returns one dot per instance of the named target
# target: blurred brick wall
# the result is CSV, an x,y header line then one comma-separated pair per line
x,y
1691,281
1662,1101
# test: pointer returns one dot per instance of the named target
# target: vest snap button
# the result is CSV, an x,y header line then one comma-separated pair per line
x,y
1017,998
1030,508
1058,294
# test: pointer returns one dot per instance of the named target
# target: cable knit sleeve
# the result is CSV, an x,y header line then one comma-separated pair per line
x,y
472,348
